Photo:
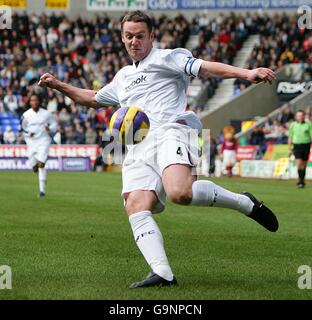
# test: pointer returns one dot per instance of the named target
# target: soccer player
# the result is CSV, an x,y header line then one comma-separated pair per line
x,y
38,125
157,82
299,141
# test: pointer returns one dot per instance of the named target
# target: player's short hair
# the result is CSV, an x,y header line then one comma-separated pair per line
x,y
137,16
39,97
300,110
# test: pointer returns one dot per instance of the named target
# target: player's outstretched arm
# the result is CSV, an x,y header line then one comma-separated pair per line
x,y
227,71
83,97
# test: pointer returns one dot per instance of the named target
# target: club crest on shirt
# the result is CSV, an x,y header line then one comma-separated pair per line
x,y
139,80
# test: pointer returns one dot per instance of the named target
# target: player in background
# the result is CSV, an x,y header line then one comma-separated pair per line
x,y
299,143
38,126
157,82
228,150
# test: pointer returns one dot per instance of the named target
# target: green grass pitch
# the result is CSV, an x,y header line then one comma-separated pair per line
x,y
77,243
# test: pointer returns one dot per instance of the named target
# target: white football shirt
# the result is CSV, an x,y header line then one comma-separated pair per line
x,y
157,85
35,122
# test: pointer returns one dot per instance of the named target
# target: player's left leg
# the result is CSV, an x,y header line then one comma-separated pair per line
x,y
35,168
42,178
42,157
181,188
301,165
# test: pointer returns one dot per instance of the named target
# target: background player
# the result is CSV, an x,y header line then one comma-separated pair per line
x,y
38,125
299,142
157,81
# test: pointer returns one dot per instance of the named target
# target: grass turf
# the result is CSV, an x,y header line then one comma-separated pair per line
x,y
77,243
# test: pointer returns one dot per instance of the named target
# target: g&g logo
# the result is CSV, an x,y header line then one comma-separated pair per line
x,y
5,17
305,19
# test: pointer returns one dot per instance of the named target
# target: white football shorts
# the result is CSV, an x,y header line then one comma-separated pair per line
x,y
38,151
229,157
172,143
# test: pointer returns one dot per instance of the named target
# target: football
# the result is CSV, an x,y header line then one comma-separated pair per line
x,y
129,125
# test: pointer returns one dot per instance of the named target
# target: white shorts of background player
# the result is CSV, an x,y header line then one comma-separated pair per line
x,y
38,151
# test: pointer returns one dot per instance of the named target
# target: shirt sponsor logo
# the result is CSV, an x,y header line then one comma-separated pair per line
x,y
135,82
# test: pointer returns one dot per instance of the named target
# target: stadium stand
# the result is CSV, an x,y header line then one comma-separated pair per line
x,y
64,46
56,44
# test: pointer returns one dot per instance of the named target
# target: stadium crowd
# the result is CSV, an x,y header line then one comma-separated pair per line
x,y
84,53
87,54
281,42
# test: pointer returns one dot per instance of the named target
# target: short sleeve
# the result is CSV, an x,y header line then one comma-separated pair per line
x,y
108,95
182,61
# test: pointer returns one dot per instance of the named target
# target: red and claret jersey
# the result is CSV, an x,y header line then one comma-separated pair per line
x,y
229,145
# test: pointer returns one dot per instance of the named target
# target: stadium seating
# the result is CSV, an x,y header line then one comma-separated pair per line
x,y
68,50
9,120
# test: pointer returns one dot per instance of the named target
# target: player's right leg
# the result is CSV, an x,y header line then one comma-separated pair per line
x,y
144,195
32,158
139,205
42,157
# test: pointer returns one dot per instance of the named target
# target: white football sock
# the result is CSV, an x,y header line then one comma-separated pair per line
x,y
207,193
150,242
42,179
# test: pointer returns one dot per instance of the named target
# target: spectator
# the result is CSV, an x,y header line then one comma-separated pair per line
x,y
257,137
10,102
52,103
64,117
92,118
286,115
70,135
272,132
287,56
9,136
62,133
91,136
80,134
20,138
213,154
